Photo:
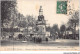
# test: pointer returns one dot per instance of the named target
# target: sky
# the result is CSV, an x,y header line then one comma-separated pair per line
x,y
31,7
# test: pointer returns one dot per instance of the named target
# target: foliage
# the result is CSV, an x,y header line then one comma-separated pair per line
x,y
54,30
31,21
74,19
62,28
48,28
73,23
22,24
6,8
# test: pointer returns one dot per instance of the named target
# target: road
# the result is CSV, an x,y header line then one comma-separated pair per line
x,y
58,45
58,42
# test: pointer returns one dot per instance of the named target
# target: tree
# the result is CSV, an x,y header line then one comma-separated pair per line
x,y
74,22
74,19
8,13
54,31
6,8
62,30
31,21
22,24
48,28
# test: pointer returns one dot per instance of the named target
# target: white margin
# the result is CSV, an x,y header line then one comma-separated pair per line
x,y
79,24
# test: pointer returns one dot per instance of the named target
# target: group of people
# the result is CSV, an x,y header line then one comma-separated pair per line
x,y
33,39
39,40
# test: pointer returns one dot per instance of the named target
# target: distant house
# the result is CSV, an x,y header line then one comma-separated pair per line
x,y
72,34
47,34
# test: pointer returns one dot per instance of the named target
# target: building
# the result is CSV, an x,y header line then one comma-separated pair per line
x,y
41,24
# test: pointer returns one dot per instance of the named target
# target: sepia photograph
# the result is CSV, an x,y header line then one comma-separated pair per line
x,y
39,25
